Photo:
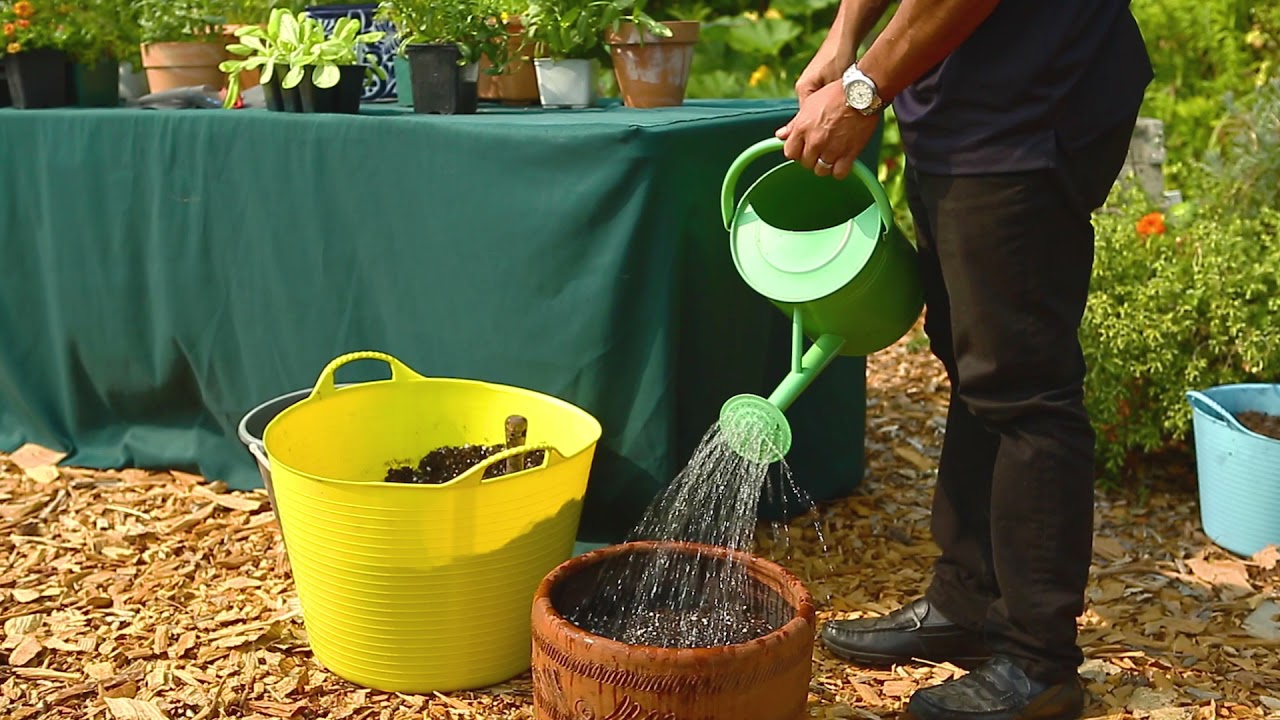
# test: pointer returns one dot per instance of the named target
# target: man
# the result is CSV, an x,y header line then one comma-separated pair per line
x,y
1016,117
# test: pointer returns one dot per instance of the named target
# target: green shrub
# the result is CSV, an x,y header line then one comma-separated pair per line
x,y
1190,305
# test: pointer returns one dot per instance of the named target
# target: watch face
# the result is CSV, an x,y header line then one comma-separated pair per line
x,y
860,95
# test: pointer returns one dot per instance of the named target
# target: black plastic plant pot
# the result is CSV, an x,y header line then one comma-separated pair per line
x,y
5,100
341,98
439,84
292,98
273,94
96,85
38,79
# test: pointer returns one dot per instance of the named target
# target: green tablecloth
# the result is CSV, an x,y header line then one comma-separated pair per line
x,y
165,271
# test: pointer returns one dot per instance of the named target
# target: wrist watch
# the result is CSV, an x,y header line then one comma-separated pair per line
x,y
860,92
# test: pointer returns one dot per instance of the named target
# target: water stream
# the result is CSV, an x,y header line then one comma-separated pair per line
x,y
681,599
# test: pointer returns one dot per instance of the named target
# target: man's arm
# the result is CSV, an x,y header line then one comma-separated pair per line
x,y
854,20
921,34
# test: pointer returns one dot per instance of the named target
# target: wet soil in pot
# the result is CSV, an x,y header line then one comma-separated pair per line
x,y
703,601
1261,423
446,463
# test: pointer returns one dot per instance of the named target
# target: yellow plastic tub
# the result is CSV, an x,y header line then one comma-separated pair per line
x,y
421,588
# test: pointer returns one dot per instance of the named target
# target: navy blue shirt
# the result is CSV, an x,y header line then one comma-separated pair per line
x,y
1037,77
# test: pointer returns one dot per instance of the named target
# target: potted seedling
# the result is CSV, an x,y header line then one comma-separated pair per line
x,y
100,36
36,64
518,83
182,42
333,74
264,50
444,42
568,36
651,60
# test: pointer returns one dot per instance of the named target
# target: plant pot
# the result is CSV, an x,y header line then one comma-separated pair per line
x,y
566,83
5,99
384,50
440,85
273,94
291,98
653,71
342,98
96,85
579,674
38,79
171,65
404,81
518,82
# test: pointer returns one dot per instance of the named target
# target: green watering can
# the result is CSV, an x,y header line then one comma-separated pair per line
x,y
828,254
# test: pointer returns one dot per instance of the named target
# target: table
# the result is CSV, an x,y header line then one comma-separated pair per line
x,y
165,271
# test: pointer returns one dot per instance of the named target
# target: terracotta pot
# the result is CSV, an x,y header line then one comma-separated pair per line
x,y
653,71
518,84
172,65
579,675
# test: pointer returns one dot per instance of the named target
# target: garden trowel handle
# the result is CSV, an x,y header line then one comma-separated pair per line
x,y
764,147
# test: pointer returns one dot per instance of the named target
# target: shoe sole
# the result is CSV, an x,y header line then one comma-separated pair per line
x,y
875,660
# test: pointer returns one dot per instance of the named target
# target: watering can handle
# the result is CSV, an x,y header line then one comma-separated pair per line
x,y
325,386
764,147
1211,408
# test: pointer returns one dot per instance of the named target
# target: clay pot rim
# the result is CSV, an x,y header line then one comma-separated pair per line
x,y
683,32
804,619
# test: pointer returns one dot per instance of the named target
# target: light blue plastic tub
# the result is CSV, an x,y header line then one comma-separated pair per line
x,y
1238,469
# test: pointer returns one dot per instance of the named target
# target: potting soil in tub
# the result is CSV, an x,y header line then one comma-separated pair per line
x,y
444,464
672,599
1261,423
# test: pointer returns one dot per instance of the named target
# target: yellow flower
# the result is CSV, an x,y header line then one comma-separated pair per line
x,y
759,75
773,14
506,17
751,15
14,48
23,9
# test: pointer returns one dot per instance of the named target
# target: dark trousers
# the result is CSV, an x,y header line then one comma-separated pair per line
x,y
1006,261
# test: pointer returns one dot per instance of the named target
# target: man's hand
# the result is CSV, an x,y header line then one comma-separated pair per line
x,y
827,66
827,129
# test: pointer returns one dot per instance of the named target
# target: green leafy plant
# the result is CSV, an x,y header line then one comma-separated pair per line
x,y
563,29
324,55
477,27
1188,300
299,43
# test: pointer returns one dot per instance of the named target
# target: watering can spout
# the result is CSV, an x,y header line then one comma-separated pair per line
x,y
757,428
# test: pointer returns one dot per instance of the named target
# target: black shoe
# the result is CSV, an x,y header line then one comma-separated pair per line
x,y
916,631
998,690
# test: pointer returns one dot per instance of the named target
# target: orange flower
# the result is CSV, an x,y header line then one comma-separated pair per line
x,y
8,29
23,9
13,48
24,24
1151,224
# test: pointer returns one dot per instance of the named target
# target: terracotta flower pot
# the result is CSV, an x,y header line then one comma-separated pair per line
x,y
577,674
172,65
518,83
653,71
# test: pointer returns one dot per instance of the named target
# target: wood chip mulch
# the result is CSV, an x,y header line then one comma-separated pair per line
x,y
135,595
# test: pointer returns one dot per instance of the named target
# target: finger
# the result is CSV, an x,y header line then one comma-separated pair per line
x,y
820,169
783,132
843,167
813,147
793,148
805,88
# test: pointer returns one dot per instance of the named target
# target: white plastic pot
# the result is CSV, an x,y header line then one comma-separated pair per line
x,y
566,83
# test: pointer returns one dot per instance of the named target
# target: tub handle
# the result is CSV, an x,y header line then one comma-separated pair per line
x,y
325,384
1213,410
475,475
